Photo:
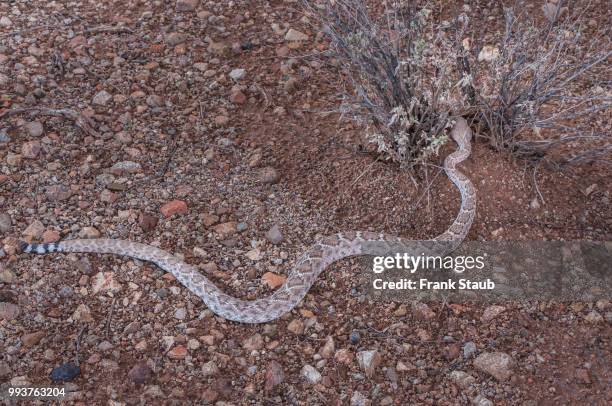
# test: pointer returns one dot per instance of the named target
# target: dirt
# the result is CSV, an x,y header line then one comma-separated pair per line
x,y
206,139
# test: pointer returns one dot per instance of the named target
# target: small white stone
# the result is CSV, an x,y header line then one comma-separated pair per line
x,y
237,74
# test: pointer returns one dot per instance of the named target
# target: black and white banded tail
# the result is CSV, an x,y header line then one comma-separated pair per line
x,y
39,248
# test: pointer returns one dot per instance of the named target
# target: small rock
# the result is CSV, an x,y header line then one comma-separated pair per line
x,y
65,372
274,235
226,229
178,352
344,356
140,373
105,281
34,128
9,311
368,361
102,98
147,222
210,368
535,203
89,232
254,254
274,375
237,74
34,230
273,280
497,364
594,317
462,379
82,313
105,346
236,96
50,236
6,276
193,344
30,149
175,38
58,193
5,223
311,374
295,36
180,313
5,370
174,207
5,22
31,339
354,337
296,326
269,175
469,349
328,349
253,343
187,5
121,168
481,401
359,399
492,312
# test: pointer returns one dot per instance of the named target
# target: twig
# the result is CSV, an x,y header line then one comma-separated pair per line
x,y
79,119
78,343
110,317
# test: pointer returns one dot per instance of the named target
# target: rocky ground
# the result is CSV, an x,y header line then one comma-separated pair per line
x,y
213,135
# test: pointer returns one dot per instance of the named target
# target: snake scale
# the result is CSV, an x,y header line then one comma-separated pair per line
x,y
308,266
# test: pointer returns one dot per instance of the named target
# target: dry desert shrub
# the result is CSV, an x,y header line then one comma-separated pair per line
x,y
543,84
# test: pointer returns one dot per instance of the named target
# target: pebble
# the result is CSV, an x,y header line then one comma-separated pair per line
x,y
58,193
295,36
5,22
226,229
462,379
359,399
311,374
31,339
497,364
50,236
344,356
253,343
328,349
147,222
30,149
34,128
296,326
492,312
274,235
273,280
34,230
469,349
355,337
423,312
594,317
187,5
369,361
5,223
210,368
102,98
65,372
174,207
140,373
89,232
121,168
180,313
178,352
237,74
82,313
6,276
274,375
269,175
175,38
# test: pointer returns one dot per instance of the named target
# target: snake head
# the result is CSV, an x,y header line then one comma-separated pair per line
x,y
461,132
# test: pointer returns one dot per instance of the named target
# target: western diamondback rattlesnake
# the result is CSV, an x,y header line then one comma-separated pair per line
x,y
309,265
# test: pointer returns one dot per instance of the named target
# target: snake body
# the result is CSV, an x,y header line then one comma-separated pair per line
x,y
308,266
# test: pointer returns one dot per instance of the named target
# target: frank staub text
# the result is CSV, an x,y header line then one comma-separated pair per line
x,y
411,264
